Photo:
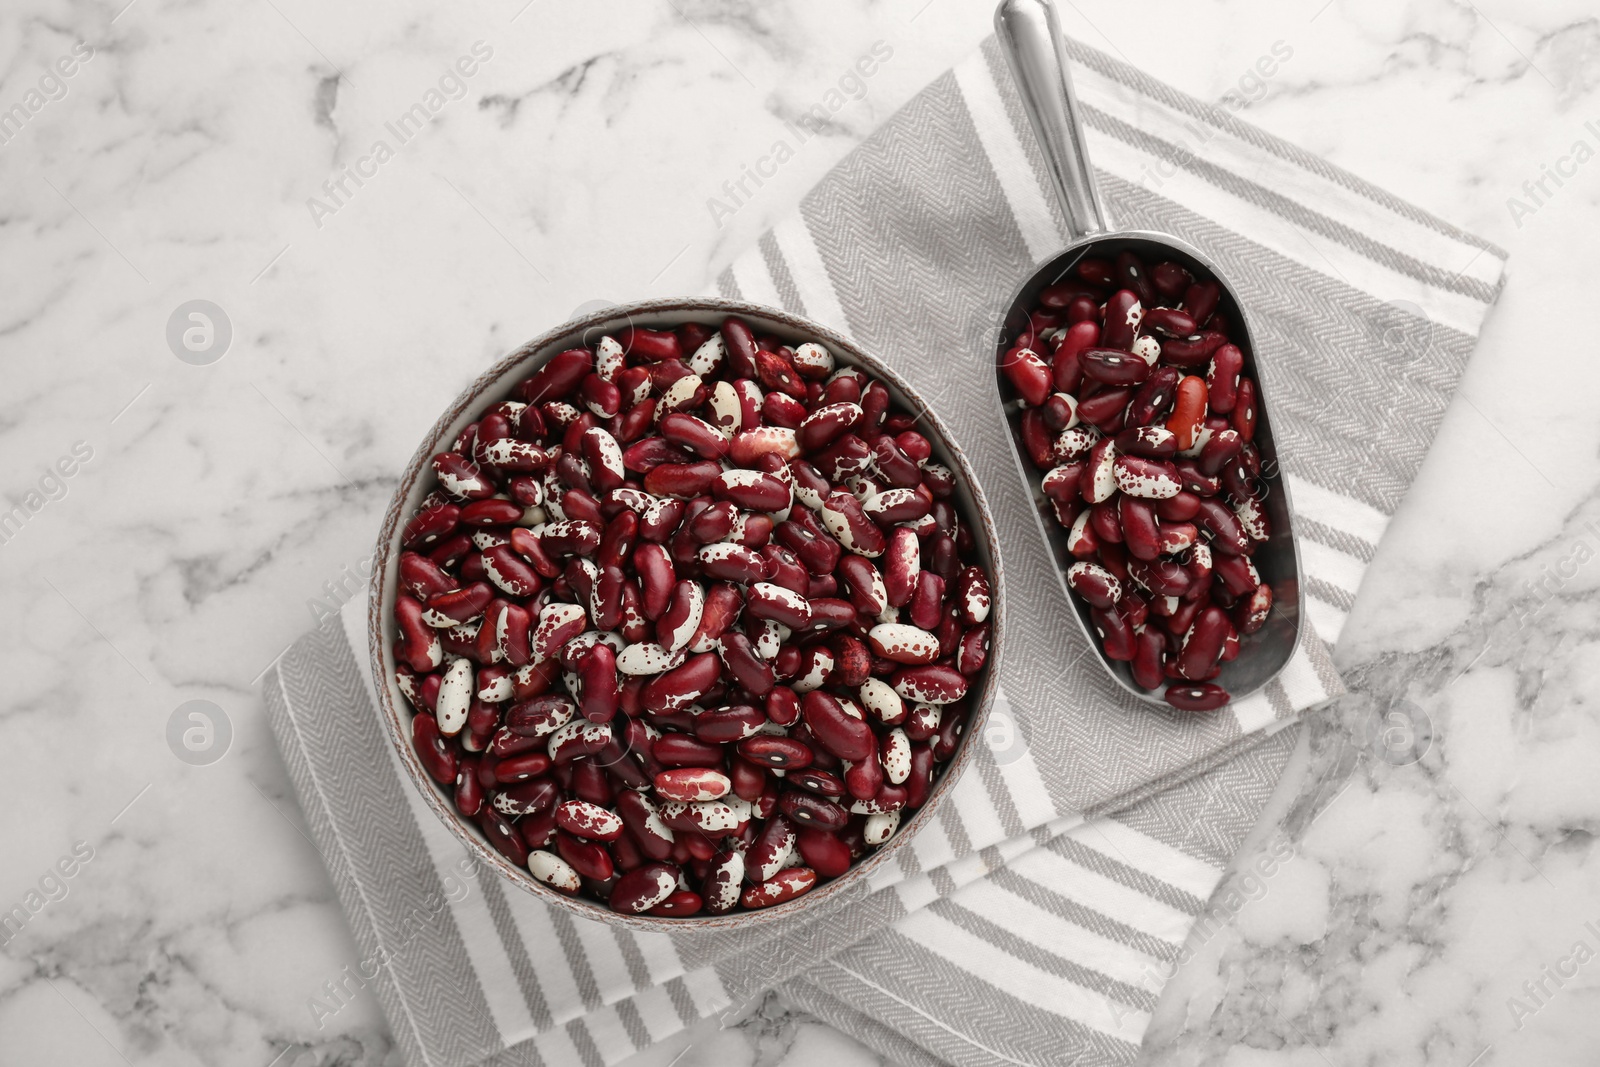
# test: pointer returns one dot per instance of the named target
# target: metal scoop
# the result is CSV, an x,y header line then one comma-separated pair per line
x,y
1030,36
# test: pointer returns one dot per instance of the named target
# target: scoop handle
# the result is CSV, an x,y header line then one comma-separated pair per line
x,y
1030,36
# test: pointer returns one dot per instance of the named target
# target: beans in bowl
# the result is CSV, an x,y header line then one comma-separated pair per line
x,y
689,623
1139,413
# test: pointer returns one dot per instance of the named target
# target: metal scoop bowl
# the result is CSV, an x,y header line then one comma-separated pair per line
x,y
1030,37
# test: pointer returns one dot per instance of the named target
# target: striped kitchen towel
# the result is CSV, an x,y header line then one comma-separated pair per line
x,y
1035,921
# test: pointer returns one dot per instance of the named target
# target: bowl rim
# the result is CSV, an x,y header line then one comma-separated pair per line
x,y
497,381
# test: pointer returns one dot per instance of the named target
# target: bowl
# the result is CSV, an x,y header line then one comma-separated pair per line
x,y
497,384
1030,38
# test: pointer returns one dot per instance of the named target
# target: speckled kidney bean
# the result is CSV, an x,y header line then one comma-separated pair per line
x,y
525,798
622,615
723,881
784,886
1123,314
643,888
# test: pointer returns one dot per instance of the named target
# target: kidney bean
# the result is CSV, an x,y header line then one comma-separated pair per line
x,y
823,852
430,525
732,562
784,753
455,694
782,887
590,859
850,526
729,724
423,578
1197,697
502,835
919,780
952,724
743,665
657,578
681,618
811,810
817,781
438,757
973,650
1244,409
783,706
589,821
645,658
1169,280
682,686
461,478
597,672
1150,442
457,606
681,904
683,750
519,768
1113,366
1251,613
903,644
1106,410
554,871
722,608
1150,479
770,850
711,817
922,721
692,783
934,683
644,888
880,826
1148,652
787,572
1060,412
863,780
1123,314
577,739
853,661
1098,480
1172,322
526,798
558,377
1028,375
644,825
1202,646
838,725
724,878
1094,583
419,646
1238,574
1130,272
1140,531
1218,520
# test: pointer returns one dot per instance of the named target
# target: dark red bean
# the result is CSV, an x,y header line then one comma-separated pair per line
x,y
1198,697
810,810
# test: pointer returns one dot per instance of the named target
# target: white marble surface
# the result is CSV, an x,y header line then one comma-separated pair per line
x,y
219,501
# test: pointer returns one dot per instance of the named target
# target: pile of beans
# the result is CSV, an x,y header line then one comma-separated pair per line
x,y
688,624
1136,410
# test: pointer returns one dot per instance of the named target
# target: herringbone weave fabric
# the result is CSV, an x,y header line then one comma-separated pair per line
x,y
1036,921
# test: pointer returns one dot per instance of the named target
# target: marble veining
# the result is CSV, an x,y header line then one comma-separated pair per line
x,y
1439,901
